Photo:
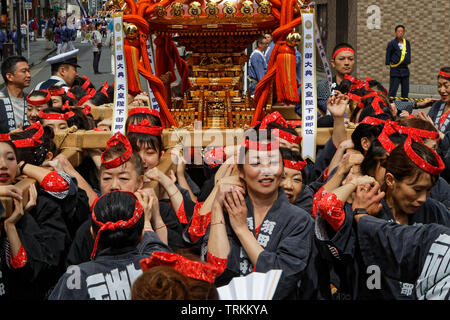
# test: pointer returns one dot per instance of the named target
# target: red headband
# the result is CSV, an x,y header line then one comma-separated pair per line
x,y
193,269
86,109
120,224
372,121
86,83
143,110
89,94
342,49
55,116
66,106
375,102
273,117
104,89
70,95
4,137
116,139
421,163
261,146
145,127
292,138
57,92
34,140
444,74
296,165
391,127
39,102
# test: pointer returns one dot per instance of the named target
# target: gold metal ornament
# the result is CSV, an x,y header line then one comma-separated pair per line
x,y
229,9
247,7
293,38
212,8
160,11
195,9
265,7
177,9
131,31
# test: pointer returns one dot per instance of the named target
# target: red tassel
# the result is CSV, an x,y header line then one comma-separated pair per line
x,y
286,78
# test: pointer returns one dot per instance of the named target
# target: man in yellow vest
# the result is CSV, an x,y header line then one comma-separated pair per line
x,y
398,57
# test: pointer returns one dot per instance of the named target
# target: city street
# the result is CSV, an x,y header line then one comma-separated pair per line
x,y
41,71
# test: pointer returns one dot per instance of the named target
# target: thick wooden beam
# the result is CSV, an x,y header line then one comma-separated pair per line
x,y
8,204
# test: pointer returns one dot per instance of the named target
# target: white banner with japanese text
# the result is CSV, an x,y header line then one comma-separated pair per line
x,y
309,96
120,83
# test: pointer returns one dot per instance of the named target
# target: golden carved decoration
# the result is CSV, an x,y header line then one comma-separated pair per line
x,y
247,7
229,9
160,11
177,9
195,9
265,7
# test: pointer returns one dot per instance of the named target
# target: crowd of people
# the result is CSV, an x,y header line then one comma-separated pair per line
x,y
365,220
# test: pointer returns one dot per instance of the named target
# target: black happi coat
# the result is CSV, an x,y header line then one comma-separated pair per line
x,y
348,272
110,275
83,243
45,239
305,199
417,254
285,235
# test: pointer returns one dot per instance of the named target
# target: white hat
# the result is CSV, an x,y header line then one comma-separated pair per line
x,y
65,58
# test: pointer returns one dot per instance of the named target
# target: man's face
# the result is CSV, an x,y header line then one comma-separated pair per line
x,y
21,76
344,62
263,45
400,33
268,37
68,73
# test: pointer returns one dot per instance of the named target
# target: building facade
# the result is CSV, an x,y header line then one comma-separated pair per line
x,y
368,25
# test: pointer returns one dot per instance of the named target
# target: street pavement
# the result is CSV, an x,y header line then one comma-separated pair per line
x,y
40,70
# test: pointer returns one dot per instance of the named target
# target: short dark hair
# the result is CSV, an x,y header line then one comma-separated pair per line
x,y
36,154
40,93
9,65
400,26
55,67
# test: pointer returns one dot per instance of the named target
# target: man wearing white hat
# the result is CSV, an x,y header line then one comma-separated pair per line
x,y
64,70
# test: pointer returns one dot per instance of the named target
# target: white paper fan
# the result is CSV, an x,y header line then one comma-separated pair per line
x,y
255,286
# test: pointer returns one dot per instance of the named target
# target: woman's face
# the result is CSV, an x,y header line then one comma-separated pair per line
x,y
57,101
150,157
56,125
444,89
292,183
262,171
33,111
8,164
409,195
289,145
124,177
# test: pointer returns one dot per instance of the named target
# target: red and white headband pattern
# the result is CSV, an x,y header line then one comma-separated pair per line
x,y
145,127
143,110
444,74
56,116
34,140
40,101
120,224
341,50
118,161
295,165
193,269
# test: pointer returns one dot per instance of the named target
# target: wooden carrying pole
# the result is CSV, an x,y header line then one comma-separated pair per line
x,y
8,203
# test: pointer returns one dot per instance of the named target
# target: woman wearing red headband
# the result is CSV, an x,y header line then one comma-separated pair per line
x,y
123,236
253,227
35,242
120,169
410,172
294,180
36,101
440,111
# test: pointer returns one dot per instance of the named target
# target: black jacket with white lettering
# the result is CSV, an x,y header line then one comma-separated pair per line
x,y
288,246
417,254
352,276
110,275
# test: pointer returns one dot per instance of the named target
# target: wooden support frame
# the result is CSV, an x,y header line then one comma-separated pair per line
x,y
8,203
